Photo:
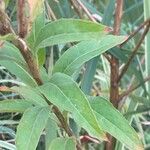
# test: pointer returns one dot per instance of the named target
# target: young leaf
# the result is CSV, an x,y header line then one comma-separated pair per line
x,y
69,30
15,105
30,128
77,55
114,123
63,92
19,71
63,144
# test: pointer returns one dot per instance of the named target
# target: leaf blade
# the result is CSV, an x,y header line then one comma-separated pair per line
x,y
63,92
77,55
30,128
68,30
118,127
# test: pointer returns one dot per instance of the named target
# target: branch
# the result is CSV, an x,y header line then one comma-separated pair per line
x,y
136,31
133,88
22,18
134,52
86,11
114,66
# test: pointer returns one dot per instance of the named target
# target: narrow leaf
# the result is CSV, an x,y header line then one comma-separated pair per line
x,y
30,128
69,30
77,55
114,123
63,92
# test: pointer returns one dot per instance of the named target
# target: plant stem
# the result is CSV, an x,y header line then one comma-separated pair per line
x,y
114,66
22,18
133,88
136,31
134,52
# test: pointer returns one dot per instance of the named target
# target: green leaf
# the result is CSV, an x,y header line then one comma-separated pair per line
x,y
63,144
63,92
114,123
30,128
41,56
69,30
36,27
31,94
19,71
50,133
8,146
77,55
9,52
14,105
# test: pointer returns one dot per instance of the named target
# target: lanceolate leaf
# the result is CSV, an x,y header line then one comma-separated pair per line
x,y
19,71
63,144
63,92
30,128
69,30
15,105
114,123
73,58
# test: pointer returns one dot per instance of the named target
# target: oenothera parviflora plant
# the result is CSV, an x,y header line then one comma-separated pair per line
x,y
48,101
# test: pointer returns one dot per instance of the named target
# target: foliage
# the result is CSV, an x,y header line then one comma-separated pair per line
x,y
49,67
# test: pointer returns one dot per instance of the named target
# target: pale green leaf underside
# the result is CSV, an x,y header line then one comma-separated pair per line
x,y
63,144
114,123
63,92
68,30
77,55
30,128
